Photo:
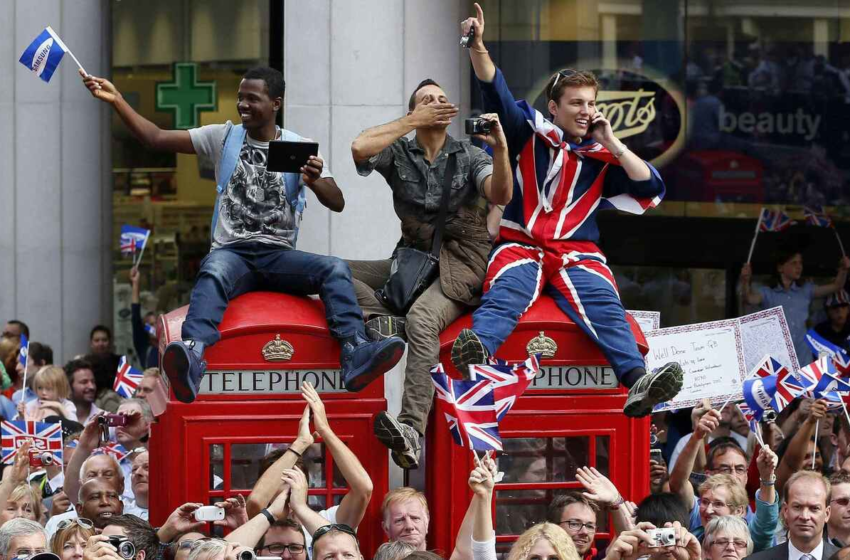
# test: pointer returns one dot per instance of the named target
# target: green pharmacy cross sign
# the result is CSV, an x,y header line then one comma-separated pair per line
x,y
185,96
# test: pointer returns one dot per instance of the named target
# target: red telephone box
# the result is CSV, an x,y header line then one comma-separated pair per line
x,y
250,403
571,416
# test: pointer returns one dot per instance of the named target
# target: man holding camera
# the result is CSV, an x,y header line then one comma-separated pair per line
x,y
420,171
254,231
567,169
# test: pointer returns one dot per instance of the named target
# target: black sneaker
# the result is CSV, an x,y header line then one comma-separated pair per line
x,y
385,326
403,440
184,367
468,350
364,361
653,388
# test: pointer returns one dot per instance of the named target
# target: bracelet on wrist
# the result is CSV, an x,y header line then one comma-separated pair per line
x,y
290,448
771,482
617,503
268,516
480,51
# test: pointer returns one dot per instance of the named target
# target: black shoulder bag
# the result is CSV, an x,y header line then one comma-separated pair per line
x,y
413,270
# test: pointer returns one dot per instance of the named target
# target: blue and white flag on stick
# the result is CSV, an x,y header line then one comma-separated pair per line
x,y
25,350
758,393
45,53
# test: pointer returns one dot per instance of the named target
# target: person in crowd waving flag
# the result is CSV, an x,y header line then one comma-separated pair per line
x,y
509,381
472,410
45,437
127,378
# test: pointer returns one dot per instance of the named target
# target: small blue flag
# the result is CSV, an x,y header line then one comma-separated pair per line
x,y
133,238
758,393
25,350
44,54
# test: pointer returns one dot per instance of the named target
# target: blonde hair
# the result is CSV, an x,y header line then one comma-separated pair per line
x,y
54,378
402,495
63,535
557,537
737,494
151,372
24,492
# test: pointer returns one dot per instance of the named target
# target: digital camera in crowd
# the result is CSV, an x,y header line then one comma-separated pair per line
x,y
40,459
465,40
112,420
246,555
477,126
662,537
123,546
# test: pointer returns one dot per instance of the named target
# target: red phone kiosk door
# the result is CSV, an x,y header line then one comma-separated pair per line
x,y
250,404
570,417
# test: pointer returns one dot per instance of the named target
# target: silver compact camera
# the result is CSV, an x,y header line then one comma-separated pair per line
x,y
662,537
464,41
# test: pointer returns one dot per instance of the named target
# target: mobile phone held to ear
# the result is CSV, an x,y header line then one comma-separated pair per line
x,y
209,513
290,157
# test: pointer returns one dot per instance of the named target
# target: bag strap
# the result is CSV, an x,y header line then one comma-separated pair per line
x,y
437,243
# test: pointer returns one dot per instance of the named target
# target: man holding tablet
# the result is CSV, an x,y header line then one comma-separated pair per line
x,y
254,230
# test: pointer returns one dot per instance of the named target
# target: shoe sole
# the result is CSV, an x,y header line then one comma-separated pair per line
x,y
467,350
384,327
385,360
389,432
175,362
667,385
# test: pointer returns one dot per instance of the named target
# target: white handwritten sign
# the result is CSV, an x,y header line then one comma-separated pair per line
x,y
646,320
711,356
766,332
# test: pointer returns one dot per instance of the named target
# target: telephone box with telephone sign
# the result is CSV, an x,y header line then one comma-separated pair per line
x,y
250,404
570,416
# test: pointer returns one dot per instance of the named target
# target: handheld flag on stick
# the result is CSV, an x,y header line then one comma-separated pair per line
x,y
758,393
773,221
44,436
45,53
472,410
134,239
127,378
22,357
788,388
821,219
820,345
509,381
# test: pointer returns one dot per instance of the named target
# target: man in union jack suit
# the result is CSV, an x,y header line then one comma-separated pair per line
x,y
566,170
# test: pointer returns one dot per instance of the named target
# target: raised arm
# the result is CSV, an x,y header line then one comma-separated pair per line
x,y
838,283
476,529
269,483
88,442
353,505
250,533
297,483
498,187
747,293
373,141
795,454
15,475
482,64
601,490
144,130
680,477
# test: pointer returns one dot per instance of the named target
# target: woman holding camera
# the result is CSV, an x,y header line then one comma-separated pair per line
x,y
70,538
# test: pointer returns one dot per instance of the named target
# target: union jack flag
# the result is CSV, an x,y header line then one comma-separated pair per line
x,y
133,238
44,436
472,417
509,381
115,449
811,374
750,417
127,378
774,220
815,218
766,367
788,388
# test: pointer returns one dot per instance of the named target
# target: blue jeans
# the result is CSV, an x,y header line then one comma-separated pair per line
x,y
236,269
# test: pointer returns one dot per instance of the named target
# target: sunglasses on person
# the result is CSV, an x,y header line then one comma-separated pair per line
x,y
561,74
80,521
325,529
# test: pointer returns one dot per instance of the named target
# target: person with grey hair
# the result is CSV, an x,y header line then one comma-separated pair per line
x,y
393,550
727,536
21,537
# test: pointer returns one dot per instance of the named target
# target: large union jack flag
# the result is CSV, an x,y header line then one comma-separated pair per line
x,y
472,410
766,367
774,220
44,436
509,381
788,388
127,378
817,217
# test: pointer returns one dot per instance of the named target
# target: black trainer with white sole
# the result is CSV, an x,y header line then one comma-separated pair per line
x,y
652,389
403,440
385,326
468,350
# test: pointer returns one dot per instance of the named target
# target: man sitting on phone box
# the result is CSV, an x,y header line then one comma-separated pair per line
x,y
416,170
254,230
567,169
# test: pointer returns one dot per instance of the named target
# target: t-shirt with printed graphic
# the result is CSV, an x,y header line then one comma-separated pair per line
x,y
253,206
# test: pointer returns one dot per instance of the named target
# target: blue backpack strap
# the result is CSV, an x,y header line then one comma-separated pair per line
x,y
234,137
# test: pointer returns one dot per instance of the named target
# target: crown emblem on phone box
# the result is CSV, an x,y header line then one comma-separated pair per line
x,y
278,350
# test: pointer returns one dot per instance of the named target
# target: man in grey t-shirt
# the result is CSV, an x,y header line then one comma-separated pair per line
x,y
254,231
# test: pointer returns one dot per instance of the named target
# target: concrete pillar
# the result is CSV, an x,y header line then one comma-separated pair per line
x,y
55,179
609,41
821,37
